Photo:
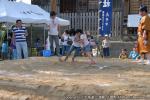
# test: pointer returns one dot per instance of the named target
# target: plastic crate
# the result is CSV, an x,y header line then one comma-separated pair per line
x,y
47,53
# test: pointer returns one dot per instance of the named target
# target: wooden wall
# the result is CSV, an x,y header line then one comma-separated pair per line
x,y
135,4
69,6
87,21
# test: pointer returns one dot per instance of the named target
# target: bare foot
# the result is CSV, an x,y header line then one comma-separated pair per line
x,y
92,63
60,60
73,61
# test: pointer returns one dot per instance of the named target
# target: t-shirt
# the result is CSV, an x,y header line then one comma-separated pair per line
x,y
105,43
53,26
20,33
60,43
65,38
85,40
76,40
72,38
123,56
133,55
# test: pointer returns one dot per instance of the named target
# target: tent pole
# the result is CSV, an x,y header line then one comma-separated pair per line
x,y
44,37
31,39
7,29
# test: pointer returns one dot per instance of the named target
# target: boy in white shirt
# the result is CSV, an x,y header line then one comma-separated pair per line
x,y
53,33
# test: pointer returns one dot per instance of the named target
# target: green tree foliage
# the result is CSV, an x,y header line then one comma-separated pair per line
x,y
2,33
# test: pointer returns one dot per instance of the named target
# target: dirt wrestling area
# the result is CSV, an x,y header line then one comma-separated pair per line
x,y
48,79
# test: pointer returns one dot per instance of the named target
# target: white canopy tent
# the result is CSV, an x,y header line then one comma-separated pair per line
x,y
11,11
29,14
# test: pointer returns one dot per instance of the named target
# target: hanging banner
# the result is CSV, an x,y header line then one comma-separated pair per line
x,y
105,17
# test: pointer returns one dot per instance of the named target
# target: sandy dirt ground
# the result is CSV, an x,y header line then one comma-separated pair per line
x,y
39,78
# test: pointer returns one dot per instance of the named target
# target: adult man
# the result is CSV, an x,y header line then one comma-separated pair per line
x,y
19,34
144,34
53,32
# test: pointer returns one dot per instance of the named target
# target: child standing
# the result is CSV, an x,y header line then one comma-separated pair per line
x,y
75,46
4,50
106,46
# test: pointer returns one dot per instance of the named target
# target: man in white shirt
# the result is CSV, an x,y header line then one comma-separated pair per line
x,y
53,33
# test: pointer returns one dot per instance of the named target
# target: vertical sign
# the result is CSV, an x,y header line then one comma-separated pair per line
x,y
105,17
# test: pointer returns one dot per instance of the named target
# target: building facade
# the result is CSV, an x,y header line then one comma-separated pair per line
x,y
132,7
69,6
84,14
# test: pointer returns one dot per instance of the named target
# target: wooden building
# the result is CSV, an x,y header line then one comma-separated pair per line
x,y
69,6
132,7
84,14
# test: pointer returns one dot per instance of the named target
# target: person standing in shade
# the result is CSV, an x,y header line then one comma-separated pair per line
x,y
4,50
144,34
53,33
19,34
86,47
106,46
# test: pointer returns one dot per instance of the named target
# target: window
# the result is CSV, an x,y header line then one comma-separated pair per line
x,y
134,5
82,5
93,5
117,4
78,5
67,6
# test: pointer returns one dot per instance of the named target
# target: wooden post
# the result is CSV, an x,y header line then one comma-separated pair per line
x,y
31,32
53,5
122,18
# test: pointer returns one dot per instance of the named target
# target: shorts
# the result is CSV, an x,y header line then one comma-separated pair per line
x,y
87,48
76,49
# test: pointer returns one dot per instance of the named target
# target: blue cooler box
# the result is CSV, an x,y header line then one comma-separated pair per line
x,y
47,53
